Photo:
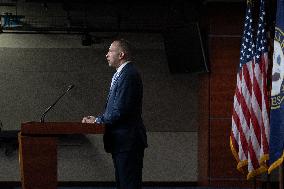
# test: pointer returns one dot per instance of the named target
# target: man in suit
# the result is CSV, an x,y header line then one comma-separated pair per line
x,y
125,135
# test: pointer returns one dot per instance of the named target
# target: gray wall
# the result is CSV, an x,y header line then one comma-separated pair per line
x,y
36,68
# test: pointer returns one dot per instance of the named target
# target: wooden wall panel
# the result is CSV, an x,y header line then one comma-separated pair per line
x,y
225,23
224,60
225,18
222,162
224,50
203,131
224,53
221,104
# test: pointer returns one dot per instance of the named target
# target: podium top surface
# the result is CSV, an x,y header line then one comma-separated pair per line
x,y
61,128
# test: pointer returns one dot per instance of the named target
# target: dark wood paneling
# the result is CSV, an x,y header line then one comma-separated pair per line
x,y
225,18
224,42
222,88
236,183
223,170
222,162
225,29
224,54
221,103
203,131
224,58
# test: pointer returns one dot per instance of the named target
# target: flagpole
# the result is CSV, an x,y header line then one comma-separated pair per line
x,y
281,176
268,183
254,183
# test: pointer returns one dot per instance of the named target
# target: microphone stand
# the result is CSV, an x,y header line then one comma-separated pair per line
x,y
47,110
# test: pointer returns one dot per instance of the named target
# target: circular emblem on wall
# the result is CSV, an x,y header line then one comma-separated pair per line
x,y
277,91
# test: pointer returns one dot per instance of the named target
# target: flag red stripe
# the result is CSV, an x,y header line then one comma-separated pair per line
x,y
243,140
253,156
247,76
256,127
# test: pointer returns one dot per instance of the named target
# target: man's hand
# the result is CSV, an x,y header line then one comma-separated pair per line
x,y
88,119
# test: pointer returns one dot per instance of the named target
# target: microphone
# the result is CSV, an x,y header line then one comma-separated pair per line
x,y
47,109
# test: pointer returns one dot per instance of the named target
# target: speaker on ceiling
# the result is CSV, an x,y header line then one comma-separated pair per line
x,y
185,49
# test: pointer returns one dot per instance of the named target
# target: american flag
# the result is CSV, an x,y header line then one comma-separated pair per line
x,y
250,122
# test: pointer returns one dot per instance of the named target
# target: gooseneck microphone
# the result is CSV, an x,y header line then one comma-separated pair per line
x,y
47,109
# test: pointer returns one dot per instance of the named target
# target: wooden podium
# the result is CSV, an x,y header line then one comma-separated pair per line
x,y
38,150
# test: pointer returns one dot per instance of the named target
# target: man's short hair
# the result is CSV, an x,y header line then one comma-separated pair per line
x,y
126,47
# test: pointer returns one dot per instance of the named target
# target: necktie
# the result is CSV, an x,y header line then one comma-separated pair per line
x,y
114,78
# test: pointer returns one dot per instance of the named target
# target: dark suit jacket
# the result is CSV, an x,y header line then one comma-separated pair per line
x,y
125,130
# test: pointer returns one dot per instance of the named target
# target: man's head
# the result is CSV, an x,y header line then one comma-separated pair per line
x,y
119,52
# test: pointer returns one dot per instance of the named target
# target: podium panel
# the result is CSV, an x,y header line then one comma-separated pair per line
x,y
38,150
38,162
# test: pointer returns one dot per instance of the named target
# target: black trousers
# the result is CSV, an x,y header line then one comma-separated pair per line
x,y
128,169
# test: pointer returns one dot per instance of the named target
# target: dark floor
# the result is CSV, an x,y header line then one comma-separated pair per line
x,y
148,187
